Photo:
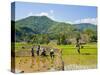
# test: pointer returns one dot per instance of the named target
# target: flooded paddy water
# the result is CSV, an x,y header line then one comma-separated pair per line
x,y
24,62
42,64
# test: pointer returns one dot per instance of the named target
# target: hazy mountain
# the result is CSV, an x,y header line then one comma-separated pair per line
x,y
83,26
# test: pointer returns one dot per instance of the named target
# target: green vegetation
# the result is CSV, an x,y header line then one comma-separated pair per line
x,y
41,30
70,55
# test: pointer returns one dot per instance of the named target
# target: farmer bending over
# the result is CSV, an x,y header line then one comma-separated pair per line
x,y
43,52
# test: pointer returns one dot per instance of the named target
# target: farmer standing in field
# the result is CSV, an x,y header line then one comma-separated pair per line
x,y
38,50
78,45
52,53
32,51
78,48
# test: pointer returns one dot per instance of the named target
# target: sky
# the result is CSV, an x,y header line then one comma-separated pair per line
x,y
57,12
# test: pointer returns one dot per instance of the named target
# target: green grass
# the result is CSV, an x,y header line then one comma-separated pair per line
x,y
71,49
88,54
70,55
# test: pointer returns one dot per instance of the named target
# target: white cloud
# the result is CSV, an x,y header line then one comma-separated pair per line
x,y
48,14
42,14
30,14
87,20
39,14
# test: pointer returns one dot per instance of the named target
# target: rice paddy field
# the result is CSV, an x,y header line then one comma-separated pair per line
x,y
69,59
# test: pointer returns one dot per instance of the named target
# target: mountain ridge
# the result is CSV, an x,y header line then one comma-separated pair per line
x,y
44,25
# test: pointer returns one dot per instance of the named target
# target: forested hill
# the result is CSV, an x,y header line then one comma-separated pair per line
x,y
44,25
39,24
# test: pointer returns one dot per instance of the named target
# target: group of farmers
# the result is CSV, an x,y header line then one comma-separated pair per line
x,y
43,53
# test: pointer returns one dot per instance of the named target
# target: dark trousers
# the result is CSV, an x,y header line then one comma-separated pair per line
x,y
37,53
52,54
